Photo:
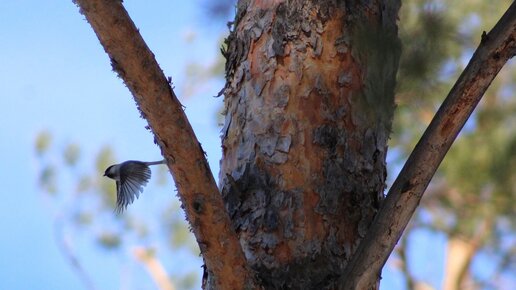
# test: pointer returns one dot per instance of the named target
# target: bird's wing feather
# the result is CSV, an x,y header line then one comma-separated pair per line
x,y
133,177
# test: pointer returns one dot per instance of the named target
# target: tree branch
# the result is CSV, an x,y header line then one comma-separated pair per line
x,y
405,194
201,200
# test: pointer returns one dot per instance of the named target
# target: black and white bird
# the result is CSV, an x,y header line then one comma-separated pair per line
x,y
130,176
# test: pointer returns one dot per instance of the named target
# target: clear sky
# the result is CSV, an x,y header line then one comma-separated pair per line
x,y
55,76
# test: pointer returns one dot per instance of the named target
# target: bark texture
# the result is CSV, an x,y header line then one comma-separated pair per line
x,y
309,101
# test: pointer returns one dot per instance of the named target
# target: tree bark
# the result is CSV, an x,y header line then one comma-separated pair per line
x,y
309,101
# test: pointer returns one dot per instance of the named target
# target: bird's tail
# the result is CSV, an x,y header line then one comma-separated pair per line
x,y
156,162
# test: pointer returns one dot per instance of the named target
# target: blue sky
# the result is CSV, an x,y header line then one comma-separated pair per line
x,y
55,76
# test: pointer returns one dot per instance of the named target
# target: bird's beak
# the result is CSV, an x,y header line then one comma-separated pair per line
x,y
104,174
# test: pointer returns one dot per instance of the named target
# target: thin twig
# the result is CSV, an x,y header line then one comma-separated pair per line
x,y
405,194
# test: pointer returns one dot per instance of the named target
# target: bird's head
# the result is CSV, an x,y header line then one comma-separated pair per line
x,y
111,172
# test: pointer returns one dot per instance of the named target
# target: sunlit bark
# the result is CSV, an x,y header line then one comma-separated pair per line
x,y
309,103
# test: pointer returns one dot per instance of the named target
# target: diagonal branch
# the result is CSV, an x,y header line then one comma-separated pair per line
x,y
405,194
201,200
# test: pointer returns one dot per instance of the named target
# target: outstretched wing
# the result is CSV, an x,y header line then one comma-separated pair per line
x,y
134,175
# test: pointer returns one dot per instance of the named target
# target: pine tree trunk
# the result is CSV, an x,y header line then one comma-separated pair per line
x,y
309,101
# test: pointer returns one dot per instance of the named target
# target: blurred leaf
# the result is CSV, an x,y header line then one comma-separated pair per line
x,y
188,281
136,225
105,158
107,188
84,184
47,179
83,218
109,240
71,154
180,234
43,141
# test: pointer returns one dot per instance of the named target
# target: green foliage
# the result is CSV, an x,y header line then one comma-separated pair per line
x,y
482,159
427,37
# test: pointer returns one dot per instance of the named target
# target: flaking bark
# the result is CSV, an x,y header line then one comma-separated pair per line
x,y
309,102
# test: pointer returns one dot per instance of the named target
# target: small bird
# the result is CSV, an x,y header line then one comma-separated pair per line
x,y
130,176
